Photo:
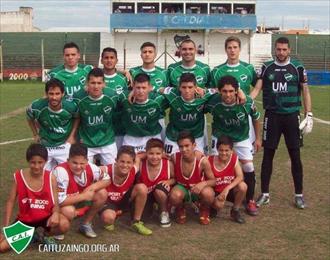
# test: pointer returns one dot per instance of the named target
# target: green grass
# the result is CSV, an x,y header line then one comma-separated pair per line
x,y
320,102
279,232
14,95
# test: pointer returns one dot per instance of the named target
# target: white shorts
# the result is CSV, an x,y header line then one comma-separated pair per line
x,y
107,153
206,137
243,149
139,143
172,147
162,123
56,155
119,141
252,134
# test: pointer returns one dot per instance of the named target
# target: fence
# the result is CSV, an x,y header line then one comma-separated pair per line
x,y
25,55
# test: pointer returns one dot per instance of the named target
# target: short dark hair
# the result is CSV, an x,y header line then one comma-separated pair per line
x,y
188,77
154,143
36,150
52,83
283,40
142,77
78,149
225,140
70,45
185,134
232,39
96,72
228,80
147,44
109,49
126,149
187,41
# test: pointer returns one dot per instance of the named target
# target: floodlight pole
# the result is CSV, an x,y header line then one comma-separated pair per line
x,y
1,61
42,60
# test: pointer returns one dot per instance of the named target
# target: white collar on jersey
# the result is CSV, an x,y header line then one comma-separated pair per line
x,y
233,65
148,70
96,99
187,101
188,68
227,105
57,111
282,64
110,76
142,103
71,71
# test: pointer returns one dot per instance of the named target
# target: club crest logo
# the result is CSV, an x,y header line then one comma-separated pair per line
x,y
271,77
199,79
18,236
119,89
288,76
158,82
82,80
243,78
240,116
107,109
151,111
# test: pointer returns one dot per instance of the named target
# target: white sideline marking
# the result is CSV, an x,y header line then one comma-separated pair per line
x,y
16,141
13,113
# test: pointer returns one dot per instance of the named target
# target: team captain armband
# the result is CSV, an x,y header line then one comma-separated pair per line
x,y
259,72
305,79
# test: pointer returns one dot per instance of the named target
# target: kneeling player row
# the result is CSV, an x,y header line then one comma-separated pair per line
x,y
78,188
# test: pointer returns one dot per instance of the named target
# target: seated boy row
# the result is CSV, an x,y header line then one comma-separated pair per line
x,y
79,188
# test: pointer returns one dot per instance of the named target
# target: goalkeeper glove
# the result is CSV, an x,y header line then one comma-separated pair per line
x,y
306,125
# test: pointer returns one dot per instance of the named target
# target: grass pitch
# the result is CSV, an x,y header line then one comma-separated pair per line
x,y
279,232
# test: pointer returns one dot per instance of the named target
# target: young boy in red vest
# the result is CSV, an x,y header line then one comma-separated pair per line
x,y
157,173
229,176
35,190
191,170
80,183
123,193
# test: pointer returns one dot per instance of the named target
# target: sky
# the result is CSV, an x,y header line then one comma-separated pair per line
x,y
95,13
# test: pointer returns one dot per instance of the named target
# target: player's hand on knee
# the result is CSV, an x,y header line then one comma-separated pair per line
x,y
221,200
306,125
88,194
54,220
223,195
